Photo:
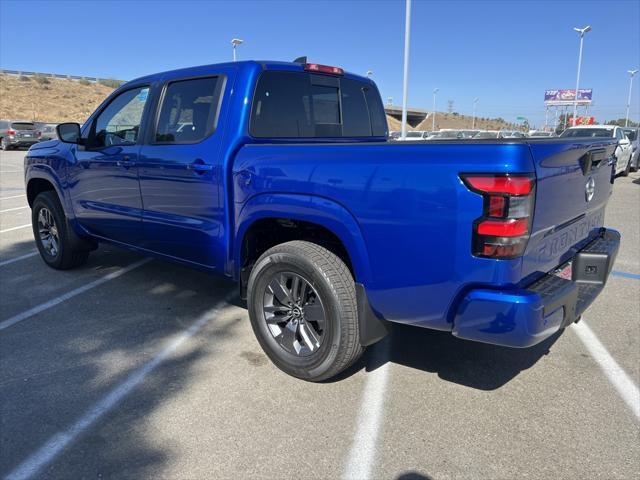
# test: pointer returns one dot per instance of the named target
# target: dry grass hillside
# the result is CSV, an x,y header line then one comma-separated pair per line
x,y
53,100
455,121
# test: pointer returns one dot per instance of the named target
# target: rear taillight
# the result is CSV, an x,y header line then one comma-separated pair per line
x,y
505,225
314,67
11,131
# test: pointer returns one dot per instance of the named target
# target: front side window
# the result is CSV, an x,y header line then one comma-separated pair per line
x,y
189,109
303,105
119,122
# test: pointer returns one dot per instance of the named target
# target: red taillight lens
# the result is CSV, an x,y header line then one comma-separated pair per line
x,y
503,229
497,206
314,67
504,184
11,131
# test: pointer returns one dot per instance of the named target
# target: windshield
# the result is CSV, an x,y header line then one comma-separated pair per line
x,y
588,132
23,126
630,132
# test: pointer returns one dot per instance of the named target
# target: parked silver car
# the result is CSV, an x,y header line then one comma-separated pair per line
x,y
47,131
632,134
16,133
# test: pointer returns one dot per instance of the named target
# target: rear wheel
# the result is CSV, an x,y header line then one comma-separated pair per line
x,y
302,305
4,144
57,243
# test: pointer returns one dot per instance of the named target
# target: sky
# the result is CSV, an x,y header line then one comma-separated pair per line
x,y
506,53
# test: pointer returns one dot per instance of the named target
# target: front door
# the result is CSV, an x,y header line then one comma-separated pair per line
x,y
103,179
180,173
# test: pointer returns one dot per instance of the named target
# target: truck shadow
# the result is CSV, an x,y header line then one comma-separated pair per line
x,y
475,365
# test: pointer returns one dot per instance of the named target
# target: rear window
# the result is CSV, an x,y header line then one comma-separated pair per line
x,y
23,126
302,105
588,132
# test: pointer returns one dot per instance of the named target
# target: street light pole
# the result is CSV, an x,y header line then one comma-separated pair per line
x,y
631,74
235,42
405,81
473,123
581,31
433,119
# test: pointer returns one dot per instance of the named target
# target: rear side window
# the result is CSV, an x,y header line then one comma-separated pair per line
x,y
23,126
302,105
189,110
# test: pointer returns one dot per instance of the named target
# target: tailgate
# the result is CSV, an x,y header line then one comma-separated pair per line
x,y
574,182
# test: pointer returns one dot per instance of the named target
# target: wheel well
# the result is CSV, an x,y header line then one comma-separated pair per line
x,y
267,233
35,187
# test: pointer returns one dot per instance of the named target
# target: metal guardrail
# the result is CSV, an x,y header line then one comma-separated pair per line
x,y
55,75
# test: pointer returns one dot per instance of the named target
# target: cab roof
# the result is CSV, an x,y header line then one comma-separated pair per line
x,y
264,64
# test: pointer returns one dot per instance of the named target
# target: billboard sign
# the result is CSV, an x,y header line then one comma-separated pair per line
x,y
567,96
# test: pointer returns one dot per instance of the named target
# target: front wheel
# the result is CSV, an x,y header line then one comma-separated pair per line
x,y
302,306
4,144
57,243
625,172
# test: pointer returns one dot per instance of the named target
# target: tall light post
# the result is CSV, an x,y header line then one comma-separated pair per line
x,y
581,31
235,42
405,81
473,122
631,74
369,73
433,119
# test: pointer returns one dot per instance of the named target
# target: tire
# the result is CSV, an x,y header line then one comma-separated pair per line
x,y
634,167
293,337
58,244
4,145
625,172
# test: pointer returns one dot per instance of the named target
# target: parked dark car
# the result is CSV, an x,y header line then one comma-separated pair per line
x,y
16,133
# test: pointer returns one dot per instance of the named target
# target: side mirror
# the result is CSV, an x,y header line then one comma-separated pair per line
x,y
69,132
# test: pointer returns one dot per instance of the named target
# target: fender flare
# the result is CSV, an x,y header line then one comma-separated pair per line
x,y
44,172
307,208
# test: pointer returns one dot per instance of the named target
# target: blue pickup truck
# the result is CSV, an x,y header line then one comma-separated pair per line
x,y
280,177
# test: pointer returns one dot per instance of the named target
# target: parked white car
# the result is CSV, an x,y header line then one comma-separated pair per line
x,y
623,150
415,135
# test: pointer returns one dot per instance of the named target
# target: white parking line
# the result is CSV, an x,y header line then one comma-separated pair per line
x,y
15,228
14,209
50,450
614,372
17,259
14,196
73,293
360,461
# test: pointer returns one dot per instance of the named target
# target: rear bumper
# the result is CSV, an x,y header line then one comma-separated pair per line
x,y
21,141
525,317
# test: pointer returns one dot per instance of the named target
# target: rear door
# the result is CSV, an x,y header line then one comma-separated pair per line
x,y
180,171
574,183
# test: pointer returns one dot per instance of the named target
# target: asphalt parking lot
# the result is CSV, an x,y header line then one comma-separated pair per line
x,y
134,368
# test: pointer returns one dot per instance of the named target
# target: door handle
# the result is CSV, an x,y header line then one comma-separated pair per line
x,y
199,167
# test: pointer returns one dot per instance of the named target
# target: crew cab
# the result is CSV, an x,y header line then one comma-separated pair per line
x,y
280,177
